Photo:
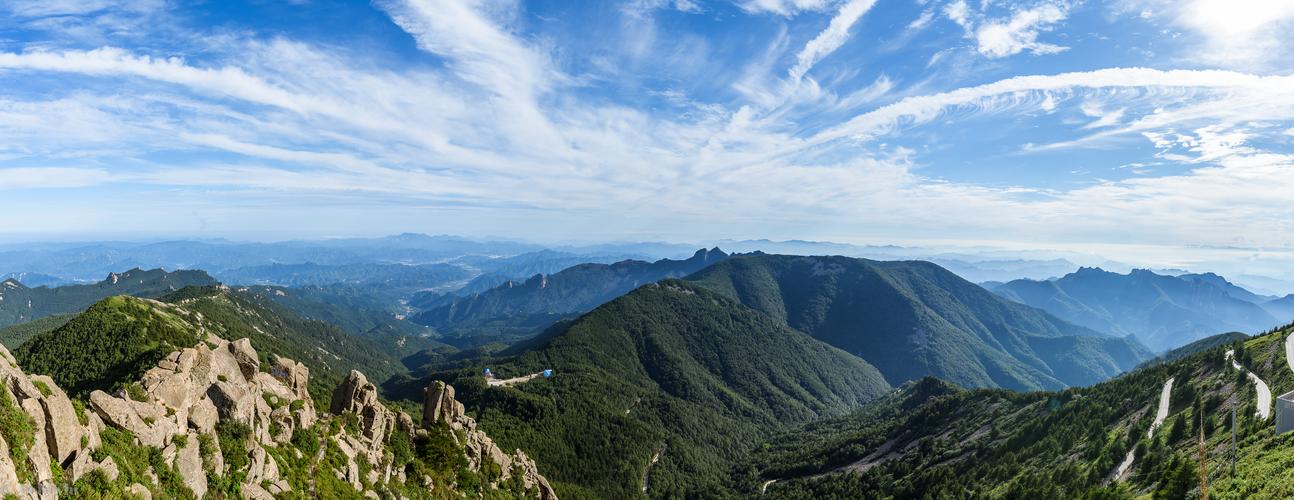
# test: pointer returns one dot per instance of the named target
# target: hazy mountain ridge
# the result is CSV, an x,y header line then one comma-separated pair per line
x,y
19,303
518,309
1162,311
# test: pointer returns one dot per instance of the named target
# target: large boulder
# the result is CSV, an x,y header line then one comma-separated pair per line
x,y
248,363
63,430
188,462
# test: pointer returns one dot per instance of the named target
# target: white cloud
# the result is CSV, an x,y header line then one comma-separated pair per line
x,y
1020,33
1008,36
51,177
1012,91
782,7
1251,34
830,39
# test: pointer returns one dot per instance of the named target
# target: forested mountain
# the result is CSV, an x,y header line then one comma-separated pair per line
x,y
660,391
930,440
115,339
20,304
514,310
1162,311
913,319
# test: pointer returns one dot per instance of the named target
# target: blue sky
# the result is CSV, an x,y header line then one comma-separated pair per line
x,y
1147,125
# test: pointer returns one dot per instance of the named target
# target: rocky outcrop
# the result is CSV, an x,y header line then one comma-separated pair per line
x,y
57,435
194,395
191,391
357,398
439,406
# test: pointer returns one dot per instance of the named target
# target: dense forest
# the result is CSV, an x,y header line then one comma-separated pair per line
x,y
661,388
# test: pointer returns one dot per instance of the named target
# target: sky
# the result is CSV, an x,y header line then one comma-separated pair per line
x,y
1161,127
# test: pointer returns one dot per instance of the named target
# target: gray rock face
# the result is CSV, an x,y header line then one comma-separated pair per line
x,y
58,432
439,405
189,463
191,391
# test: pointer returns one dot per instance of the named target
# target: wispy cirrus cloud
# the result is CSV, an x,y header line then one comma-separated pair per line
x,y
495,119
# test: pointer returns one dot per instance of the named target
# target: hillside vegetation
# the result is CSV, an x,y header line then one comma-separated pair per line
x,y
989,443
913,319
115,339
661,389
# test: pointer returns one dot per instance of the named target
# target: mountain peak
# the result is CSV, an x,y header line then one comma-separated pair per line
x,y
708,255
12,284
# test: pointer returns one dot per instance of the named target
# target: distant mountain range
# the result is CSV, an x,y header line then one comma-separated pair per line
x,y
20,303
1162,311
517,309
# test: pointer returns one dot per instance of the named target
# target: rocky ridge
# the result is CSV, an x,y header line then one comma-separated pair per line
x,y
181,408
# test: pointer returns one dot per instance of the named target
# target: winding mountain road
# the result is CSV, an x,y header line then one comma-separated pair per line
x,y
500,382
1289,351
1165,395
1264,392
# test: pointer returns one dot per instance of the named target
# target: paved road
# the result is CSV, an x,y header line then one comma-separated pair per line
x,y
768,483
1289,350
499,382
1161,413
1264,393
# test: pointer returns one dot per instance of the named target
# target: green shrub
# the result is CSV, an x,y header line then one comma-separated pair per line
x,y
43,387
17,430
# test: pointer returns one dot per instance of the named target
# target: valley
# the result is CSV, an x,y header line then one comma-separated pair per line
x,y
720,375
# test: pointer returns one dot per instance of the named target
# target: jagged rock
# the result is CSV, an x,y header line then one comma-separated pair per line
x,y
203,416
62,428
248,363
351,475
295,375
352,394
233,401
256,492
148,422
439,405
94,426
84,463
189,464
8,474
356,395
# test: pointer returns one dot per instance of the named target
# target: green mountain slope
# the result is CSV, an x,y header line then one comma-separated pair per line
x,y
671,371
111,343
929,441
1162,311
354,311
914,319
115,339
13,336
516,310
20,304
